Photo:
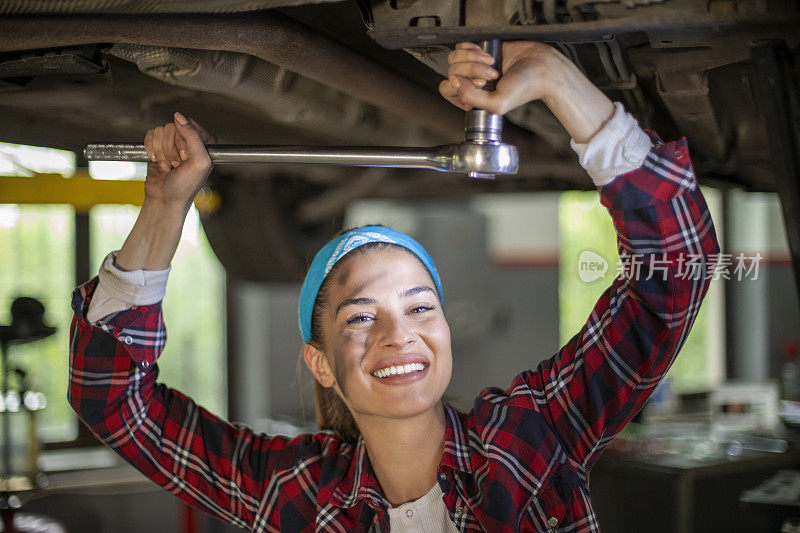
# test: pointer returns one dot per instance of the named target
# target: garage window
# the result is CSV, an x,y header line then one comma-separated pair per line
x,y
194,306
38,244
585,227
38,259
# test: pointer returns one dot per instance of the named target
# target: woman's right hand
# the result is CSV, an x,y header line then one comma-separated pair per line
x,y
179,163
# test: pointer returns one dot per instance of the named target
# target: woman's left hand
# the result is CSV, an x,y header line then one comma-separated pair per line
x,y
529,72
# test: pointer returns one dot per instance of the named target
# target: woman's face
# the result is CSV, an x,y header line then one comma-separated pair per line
x,y
383,311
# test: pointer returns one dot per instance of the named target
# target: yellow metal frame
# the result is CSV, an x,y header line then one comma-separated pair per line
x,y
84,192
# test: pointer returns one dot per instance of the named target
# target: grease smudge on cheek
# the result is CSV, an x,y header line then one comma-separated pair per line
x,y
354,338
353,347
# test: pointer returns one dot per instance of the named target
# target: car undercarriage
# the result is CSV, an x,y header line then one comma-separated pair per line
x,y
722,73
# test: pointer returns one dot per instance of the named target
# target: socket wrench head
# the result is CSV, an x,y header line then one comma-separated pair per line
x,y
482,159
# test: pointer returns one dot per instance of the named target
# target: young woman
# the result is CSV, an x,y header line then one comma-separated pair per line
x,y
391,452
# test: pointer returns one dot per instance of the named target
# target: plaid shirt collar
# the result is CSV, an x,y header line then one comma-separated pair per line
x,y
359,483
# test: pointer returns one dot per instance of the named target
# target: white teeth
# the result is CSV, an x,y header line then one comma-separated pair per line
x,y
396,370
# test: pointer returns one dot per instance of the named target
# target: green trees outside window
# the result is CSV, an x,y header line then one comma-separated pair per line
x,y
585,225
37,258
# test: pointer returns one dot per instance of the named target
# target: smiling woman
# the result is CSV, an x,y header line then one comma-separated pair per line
x,y
376,339
383,345
332,412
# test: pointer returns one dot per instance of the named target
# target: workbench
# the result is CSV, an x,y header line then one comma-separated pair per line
x,y
675,494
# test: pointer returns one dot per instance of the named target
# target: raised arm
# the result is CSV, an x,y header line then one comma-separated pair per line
x,y
223,468
179,166
667,243
601,378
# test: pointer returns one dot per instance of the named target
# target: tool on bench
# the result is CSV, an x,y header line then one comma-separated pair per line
x,y
481,155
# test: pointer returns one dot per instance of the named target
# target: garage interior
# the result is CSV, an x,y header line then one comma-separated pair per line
x,y
716,448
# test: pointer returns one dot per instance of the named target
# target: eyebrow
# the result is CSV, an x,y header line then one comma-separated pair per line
x,y
366,300
354,301
416,290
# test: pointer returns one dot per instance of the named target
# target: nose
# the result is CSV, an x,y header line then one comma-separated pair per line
x,y
396,331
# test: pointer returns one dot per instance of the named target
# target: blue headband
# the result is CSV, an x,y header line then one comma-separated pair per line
x,y
331,253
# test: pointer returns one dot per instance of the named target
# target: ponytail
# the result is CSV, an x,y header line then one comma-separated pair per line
x,y
333,414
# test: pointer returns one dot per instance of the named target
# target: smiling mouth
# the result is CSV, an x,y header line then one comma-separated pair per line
x,y
399,370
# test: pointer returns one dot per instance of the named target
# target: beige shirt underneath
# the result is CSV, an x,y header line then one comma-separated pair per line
x,y
427,514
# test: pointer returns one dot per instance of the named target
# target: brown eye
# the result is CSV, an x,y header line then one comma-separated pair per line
x,y
360,318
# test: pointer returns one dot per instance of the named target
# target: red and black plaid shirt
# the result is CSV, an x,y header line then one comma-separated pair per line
x,y
519,461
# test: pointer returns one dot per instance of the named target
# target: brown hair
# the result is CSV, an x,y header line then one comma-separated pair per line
x,y
331,411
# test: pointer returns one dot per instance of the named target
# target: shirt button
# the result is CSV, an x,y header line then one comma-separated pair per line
x,y
552,521
442,476
459,510
127,339
145,364
678,155
409,513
